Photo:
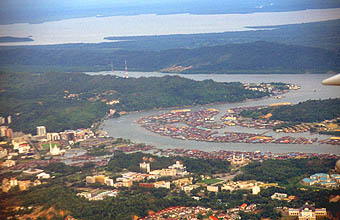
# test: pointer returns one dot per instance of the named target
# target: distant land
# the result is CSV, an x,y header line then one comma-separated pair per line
x,y
39,11
254,57
325,34
8,39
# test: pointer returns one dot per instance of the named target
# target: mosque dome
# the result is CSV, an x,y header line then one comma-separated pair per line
x,y
337,166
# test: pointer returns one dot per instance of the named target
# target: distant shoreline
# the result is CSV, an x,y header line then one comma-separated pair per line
x,y
10,39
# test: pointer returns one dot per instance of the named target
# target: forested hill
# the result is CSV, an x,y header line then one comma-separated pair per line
x,y
308,111
63,101
255,57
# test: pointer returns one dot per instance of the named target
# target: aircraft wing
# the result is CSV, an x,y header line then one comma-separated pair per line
x,y
333,81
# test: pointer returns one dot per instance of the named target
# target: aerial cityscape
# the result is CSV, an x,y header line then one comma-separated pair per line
x,y
169,110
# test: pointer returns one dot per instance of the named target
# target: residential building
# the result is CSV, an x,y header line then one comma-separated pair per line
x,y
3,152
188,189
168,172
3,130
108,182
9,119
36,183
212,188
9,133
162,184
13,182
8,163
279,196
127,183
90,179
43,175
24,185
5,186
182,182
86,195
100,179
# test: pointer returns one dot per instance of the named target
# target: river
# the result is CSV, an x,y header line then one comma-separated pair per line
x,y
311,88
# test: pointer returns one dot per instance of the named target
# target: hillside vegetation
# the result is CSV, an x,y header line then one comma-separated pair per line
x,y
73,100
308,111
325,34
255,57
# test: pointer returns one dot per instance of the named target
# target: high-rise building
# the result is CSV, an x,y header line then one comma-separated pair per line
x,y
145,167
3,130
41,131
9,119
9,133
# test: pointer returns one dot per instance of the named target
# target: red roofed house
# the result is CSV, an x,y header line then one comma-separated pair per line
x,y
243,206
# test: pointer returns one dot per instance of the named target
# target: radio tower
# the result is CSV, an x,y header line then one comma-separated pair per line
x,y
126,71
112,67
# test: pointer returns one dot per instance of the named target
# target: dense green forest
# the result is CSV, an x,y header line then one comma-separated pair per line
x,y
128,204
42,99
254,57
308,111
199,166
324,34
287,172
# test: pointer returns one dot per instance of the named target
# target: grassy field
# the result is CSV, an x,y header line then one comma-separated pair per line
x,y
47,146
211,181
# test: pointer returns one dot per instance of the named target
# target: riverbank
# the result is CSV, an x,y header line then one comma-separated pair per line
x,y
311,88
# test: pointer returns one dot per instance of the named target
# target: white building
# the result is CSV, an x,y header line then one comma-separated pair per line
x,y
108,182
53,136
9,119
41,131
145,166
43,175
212,188
54,150
13,182
256,189
279,196
178,166
86,195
